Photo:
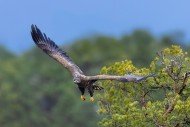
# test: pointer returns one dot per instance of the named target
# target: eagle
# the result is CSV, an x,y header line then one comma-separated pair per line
x,y
83,81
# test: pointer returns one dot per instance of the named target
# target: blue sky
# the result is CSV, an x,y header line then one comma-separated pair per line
x,y
65,21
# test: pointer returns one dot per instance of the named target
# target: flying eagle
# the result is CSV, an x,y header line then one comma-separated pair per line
x,y
83,81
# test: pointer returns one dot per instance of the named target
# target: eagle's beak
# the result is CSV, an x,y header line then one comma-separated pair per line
x,y
82,98
91,99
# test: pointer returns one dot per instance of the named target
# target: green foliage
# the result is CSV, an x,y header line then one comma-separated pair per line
x,y
158,101
5,54
37,91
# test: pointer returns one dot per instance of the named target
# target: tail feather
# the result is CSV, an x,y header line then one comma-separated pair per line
x,y
96,87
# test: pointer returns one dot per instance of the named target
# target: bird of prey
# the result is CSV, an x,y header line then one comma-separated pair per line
x,y
84,82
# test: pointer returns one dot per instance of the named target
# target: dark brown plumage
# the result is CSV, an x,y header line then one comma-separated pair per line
x,y
83,81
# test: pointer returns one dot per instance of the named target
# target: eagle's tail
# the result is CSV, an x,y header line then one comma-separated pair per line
x,y
96,87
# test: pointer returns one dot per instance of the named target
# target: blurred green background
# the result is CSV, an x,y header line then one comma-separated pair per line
x,y
36,91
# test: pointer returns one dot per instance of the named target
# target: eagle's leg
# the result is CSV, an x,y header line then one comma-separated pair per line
x,y
82,90
91,91
91,96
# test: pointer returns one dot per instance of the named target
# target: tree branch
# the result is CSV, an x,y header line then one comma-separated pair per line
x,y
170,108
184,83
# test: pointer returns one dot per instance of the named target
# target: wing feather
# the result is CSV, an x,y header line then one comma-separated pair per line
x,y
50,48
125,78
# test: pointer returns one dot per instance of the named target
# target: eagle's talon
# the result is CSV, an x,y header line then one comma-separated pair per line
x,y
91,99
82,98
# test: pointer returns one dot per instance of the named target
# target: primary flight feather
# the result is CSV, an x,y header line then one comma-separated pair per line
x,y
83,81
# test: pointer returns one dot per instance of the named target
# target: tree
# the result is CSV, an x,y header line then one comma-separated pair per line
x,y
162,101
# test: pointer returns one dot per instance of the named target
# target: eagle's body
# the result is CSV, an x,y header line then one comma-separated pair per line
x,y
83,81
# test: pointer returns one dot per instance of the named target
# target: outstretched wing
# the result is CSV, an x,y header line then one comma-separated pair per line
x,y
50,48
125,78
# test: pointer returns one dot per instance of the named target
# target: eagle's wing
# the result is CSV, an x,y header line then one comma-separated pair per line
x,y
125,78
49,47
